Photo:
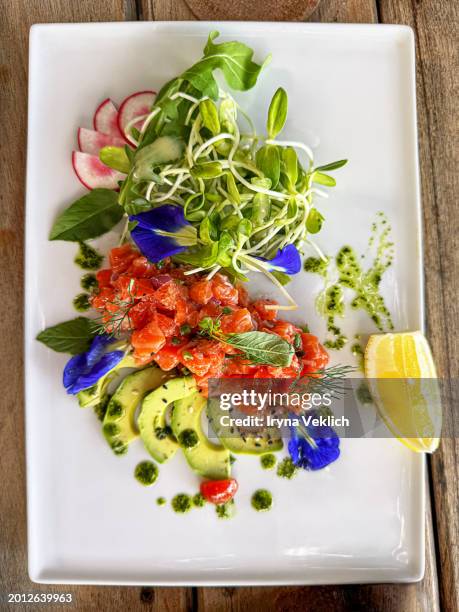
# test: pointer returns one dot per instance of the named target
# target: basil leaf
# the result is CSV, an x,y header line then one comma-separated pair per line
x,y
277,113
333,165
116,158
92,215
69,337
209,116
234,59
262,348
314,221
268,161
323,179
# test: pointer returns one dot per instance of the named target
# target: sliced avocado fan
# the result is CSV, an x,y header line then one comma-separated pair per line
x,y
119,425
154,431
93,395
240,441
204,457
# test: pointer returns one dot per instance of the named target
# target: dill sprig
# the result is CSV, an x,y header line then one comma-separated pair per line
x,y
327,380
114,325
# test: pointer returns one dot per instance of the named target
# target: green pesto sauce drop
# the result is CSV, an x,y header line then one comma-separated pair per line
x,y
262,500
181,503
88,258
357,351
188,438
268,461
89,282
81,302
316,265
225,511
363,283
161,501
198,500
287,469
146,473
115,410
101,407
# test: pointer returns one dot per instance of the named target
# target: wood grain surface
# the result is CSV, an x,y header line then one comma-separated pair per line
x,y
434,23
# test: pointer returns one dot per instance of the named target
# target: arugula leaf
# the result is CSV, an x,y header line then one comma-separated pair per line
x,y
234,59
333,165
92,215
71,336
116,158
262,348
277,113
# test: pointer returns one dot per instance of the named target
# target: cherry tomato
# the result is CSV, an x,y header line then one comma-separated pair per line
x,y
219,491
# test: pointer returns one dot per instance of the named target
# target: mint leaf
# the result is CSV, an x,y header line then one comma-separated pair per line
x,y
234,59
69,337
262,348
92,215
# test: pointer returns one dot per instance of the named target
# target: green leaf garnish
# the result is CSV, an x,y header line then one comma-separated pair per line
x,y
277,113
116,158
262,348
72,337
333,165
314,221
89,217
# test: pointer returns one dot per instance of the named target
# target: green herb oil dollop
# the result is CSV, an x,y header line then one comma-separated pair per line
x,y
181,503
88,258
287,469
268,461
262,500
146,473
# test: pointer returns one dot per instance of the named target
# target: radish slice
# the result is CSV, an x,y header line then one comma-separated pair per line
x,y
90,141
106,119
93,173
136,105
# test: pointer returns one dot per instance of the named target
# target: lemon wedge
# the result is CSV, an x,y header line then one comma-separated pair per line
x,y
403,382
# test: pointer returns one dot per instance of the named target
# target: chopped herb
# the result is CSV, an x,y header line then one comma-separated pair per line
x,y
227,310
101,407
185,329
226,511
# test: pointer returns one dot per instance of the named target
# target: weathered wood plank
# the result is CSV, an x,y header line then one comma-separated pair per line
x,y
435,25
15,19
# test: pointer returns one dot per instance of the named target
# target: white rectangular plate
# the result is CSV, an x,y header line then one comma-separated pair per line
x,y
351,94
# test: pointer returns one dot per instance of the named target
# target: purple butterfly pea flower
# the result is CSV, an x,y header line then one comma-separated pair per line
x,y
315,450
162,232
84,370
286,260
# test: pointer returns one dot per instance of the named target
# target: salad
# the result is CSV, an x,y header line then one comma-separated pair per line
x,y
201,202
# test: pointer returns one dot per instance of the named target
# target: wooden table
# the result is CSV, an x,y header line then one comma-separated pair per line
x,y
434,22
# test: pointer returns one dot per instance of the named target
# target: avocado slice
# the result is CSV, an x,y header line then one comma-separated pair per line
x,y
93,395
204,457
156,435
119,425
239,441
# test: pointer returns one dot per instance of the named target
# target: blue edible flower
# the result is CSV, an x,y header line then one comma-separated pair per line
x,y
84,370
286,260
314,446
162,232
